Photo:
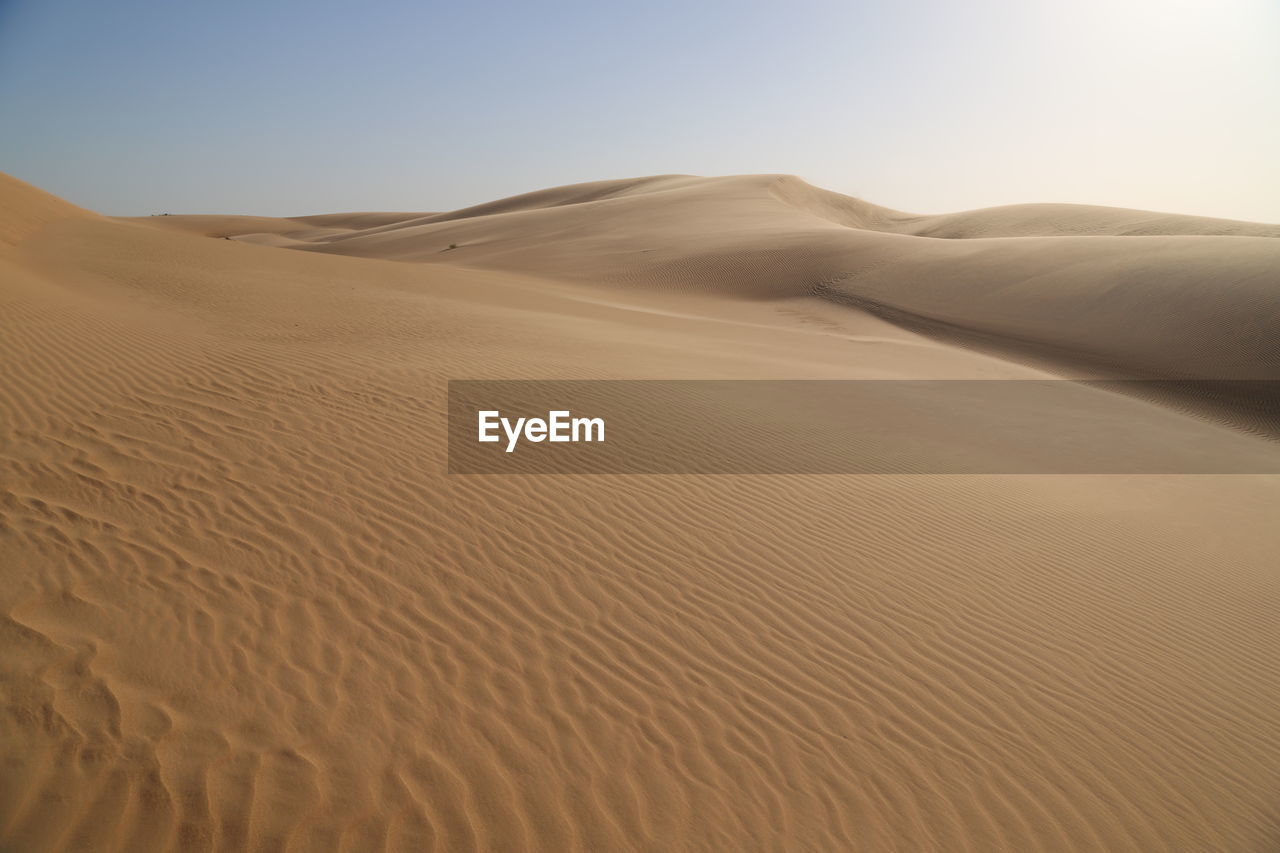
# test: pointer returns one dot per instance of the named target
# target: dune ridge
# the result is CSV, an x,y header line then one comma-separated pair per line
x,y
1113,289
245,609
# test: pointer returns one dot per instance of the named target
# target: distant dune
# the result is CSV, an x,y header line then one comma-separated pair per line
x,y
244,608
1211,285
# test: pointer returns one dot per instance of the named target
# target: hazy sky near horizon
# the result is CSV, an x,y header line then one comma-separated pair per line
x,y
278,108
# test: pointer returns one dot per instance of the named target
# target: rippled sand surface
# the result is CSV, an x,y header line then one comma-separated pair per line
x,y
244,608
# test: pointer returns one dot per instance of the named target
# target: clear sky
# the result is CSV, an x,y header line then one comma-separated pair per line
x,y
281,107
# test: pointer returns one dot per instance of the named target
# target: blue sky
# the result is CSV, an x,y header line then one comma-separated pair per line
x,y
277,108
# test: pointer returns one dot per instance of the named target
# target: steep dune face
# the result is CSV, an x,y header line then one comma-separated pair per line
x,y
25,210
245,609
1176,307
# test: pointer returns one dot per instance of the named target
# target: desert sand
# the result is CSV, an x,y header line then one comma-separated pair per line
x,y
244,607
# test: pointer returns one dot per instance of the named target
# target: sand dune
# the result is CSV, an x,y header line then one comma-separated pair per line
x,y
1103,298
245,609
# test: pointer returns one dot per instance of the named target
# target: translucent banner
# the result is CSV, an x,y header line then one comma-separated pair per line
x,y
863,427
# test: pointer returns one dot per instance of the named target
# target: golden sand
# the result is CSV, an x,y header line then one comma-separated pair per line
x,y
244,608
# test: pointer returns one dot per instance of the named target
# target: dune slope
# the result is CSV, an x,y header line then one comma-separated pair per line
x,y
245,608
1130,293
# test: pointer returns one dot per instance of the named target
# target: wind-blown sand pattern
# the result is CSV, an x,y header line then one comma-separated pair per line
x,y
244,608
